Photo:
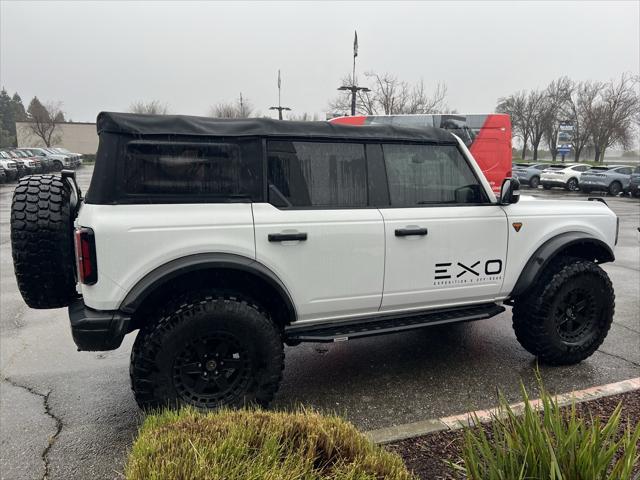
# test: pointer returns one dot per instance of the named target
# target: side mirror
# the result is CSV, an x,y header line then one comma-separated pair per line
x,y
510,191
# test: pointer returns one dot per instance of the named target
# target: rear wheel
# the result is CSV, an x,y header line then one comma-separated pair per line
x,y
209,352
615,188
572,184
534,182
567,315
42,241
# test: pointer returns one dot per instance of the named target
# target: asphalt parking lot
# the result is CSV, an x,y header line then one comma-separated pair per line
x,y
71,415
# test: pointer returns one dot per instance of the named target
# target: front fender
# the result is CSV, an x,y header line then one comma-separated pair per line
x,y
577,244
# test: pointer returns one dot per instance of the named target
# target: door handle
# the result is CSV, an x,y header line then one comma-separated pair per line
x,y
405,232
287,237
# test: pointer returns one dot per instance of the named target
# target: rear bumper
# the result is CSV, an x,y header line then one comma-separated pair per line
x,y
96,330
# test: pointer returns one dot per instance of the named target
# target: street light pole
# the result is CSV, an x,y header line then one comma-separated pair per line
x,y
280,108
353,88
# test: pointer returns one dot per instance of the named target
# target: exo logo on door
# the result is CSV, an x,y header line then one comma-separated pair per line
x,y
452,273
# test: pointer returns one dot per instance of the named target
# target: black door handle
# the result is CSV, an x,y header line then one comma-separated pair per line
x,y
287,237
405,232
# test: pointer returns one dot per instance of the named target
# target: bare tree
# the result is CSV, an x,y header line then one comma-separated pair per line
x,y
43,120
535,112
612,116
577,109
388,95
241,108
557,94
516,107
154,107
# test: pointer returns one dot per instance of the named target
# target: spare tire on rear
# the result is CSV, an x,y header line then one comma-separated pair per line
x,y
42,241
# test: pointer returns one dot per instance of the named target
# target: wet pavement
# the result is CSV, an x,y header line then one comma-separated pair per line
x,y
80,403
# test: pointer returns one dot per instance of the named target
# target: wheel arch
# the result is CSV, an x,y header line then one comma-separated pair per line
x,y
574,244
226,271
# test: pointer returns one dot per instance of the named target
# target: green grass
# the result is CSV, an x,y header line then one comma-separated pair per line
x,y
257,445
550,444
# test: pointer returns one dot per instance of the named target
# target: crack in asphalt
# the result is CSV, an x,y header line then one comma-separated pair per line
x,y
628,328
47,410
618,357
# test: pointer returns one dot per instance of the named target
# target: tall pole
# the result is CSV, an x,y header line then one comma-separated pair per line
x,y
280,108
353,88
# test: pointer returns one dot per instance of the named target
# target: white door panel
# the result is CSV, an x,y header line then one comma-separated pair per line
x,y
460,259
337,271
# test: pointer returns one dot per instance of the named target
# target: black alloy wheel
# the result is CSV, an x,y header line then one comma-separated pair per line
x,y
572,184
212,370
575,315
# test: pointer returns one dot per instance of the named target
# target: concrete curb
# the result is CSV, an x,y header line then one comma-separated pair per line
x,y
455,422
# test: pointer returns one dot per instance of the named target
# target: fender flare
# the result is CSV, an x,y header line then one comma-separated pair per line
x,y
202,261
594,249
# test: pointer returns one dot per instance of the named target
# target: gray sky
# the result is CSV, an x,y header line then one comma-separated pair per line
x,y
95,56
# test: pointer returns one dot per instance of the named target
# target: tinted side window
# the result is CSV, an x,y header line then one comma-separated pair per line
x,y
581,168
430,174
625,171
224,169
317,174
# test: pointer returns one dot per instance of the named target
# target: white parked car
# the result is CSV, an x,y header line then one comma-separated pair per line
x,y
565,175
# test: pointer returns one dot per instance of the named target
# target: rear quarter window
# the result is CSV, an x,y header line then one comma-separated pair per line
x,y
224,170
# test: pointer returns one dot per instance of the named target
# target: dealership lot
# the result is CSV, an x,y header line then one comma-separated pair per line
x,y
84,401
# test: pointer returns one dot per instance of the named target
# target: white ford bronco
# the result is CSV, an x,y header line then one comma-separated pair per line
x,y
221,240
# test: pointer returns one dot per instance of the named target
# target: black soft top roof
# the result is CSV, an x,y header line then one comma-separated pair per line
x,y
142,124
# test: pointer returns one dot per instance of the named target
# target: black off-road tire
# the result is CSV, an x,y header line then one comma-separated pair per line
x,y
543,317
170,358
42,241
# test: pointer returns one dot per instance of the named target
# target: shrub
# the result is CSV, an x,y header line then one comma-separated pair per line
x,y
551,444
254,444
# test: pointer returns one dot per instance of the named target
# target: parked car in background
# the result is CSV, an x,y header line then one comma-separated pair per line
x,y
634,183
31,165
613,179
9,166
77,157
47,163
25,166
40,168
58,160
565,175
529,173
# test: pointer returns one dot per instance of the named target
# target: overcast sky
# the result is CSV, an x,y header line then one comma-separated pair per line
x,y
96,56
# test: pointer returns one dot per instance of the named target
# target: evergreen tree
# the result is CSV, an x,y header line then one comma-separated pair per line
x,y
18,108
7,116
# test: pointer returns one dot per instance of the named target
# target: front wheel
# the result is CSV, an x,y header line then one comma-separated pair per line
x,y
565,317
210,352
534,182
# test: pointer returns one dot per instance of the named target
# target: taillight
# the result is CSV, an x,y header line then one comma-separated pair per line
x,y
86,256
